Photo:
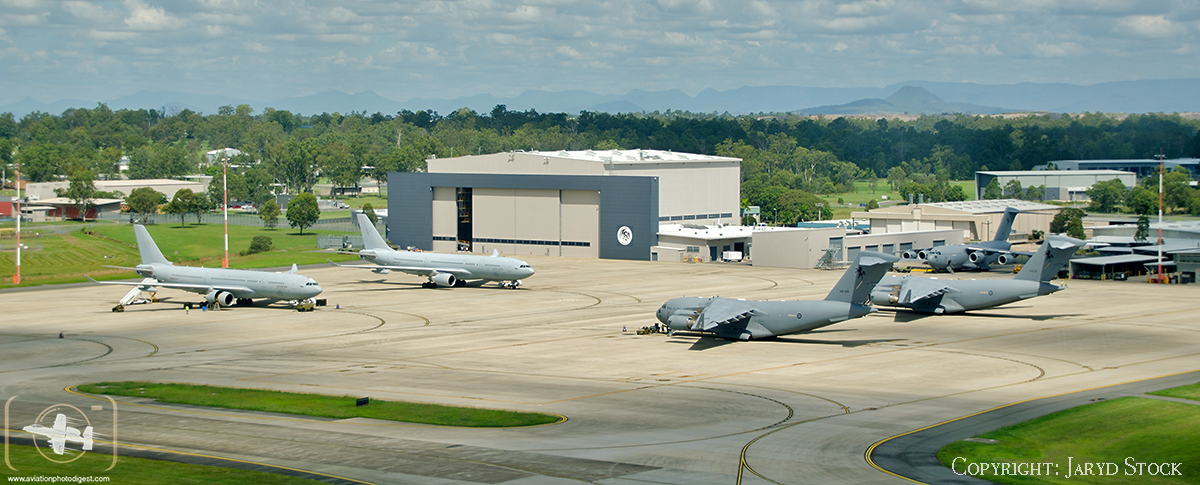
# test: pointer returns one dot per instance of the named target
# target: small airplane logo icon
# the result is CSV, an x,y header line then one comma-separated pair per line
x,y
60,434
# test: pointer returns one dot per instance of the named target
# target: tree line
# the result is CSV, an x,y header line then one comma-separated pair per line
x,y
786,158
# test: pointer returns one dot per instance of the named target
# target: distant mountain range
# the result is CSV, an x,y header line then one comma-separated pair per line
x,y
914,97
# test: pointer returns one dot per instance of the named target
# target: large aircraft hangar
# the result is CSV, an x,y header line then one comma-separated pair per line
x,y
605,204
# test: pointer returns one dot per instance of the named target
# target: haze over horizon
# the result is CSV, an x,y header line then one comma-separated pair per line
x,y
268,50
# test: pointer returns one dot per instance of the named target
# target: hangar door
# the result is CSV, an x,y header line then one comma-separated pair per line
x,y
535,222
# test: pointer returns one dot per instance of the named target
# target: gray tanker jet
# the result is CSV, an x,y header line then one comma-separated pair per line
x,y
441,269
979,256
745,320
938,296
221,285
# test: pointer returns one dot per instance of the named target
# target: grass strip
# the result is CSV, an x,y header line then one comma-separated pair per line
x,y
135,471
1138,429
340,407
1183,392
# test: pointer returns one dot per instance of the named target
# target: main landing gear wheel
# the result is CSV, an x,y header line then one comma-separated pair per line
x,y
428,284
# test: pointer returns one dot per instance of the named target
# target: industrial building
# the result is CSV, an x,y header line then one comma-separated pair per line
x,y
1142,167
787,247
979,219
1064,185
605,204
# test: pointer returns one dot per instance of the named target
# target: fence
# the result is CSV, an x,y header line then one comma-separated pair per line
x,y
342,224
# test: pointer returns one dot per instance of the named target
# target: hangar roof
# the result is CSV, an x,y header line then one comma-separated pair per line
x,y
1107,260
629,156
1017,173
993,205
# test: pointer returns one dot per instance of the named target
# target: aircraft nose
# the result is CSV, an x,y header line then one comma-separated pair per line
x,y
661,314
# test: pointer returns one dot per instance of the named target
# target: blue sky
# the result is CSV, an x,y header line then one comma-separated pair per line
x,y
265,49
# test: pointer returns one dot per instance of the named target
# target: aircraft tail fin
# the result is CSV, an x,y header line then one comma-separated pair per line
x,y
861,277
495,253
1055,252
1005,227
371,237
146,246
294,269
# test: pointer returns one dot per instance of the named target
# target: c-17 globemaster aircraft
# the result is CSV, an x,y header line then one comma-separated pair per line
x,y
978,256
745,320
933,295
221,285
441,269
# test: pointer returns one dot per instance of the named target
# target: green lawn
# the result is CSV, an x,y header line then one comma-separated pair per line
x,y
341,407
66,258
129,470
1145,430
1185,392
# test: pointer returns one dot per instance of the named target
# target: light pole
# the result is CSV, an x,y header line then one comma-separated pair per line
x,y
17,209
1160,158
225,204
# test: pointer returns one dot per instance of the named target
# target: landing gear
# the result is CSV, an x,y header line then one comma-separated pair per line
x,y
512,285
428,284
244,302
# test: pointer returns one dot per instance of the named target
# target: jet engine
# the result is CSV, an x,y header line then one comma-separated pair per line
x,y
444,279
679,322
922,255
225,298
910,254
1004,259
976,256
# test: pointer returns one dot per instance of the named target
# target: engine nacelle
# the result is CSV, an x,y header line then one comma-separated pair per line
x,y
381,271
679,322
224,298
879,297
444,279
910,254
1004,259
922,255
976,256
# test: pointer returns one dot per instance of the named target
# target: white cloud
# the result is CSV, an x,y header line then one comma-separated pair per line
x,y
256,47
839,47
1058,50
344,39
147,18
1151,26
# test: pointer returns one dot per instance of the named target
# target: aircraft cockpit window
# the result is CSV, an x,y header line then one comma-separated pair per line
x,y
311,283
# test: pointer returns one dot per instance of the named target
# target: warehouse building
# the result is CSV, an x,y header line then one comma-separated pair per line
x,y
978,219
1064,185
1142,167
605,204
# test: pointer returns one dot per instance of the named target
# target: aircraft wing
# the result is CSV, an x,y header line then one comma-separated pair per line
x,y
60,423
59,445
722,312
917,289
241,290
994,251
418,270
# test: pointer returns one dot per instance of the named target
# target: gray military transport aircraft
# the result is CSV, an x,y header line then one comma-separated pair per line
x,y
221,285
441,269
979,256
746,320
938,296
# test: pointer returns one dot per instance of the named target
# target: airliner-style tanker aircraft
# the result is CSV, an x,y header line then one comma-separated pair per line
x,y
746,320
221,285
441,269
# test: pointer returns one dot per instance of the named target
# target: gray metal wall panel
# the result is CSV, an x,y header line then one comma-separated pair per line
x,y
624,201
410,211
